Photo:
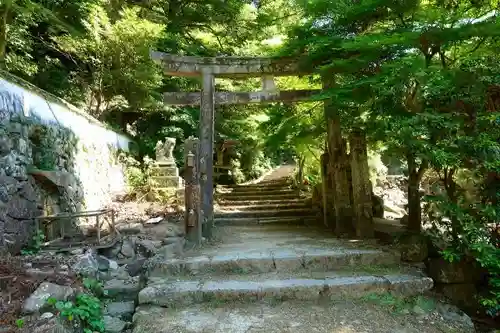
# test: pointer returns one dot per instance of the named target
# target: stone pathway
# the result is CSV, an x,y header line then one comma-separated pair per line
x,y
267,276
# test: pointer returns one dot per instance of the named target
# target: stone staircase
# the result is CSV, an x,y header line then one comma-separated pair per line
x,y
272,201
269,272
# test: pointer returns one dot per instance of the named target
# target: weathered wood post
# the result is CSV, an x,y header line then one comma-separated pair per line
x,y
192,214
324,188
207,125
361,185
338,163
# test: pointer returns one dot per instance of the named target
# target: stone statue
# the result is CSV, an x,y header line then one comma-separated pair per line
x,y
160,154
164,150
169,148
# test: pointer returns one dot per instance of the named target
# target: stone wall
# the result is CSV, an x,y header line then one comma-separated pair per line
x,y
53,157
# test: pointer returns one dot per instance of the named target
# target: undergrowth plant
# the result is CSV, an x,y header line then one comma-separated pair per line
x,y
35,244
464,233
141,183
85,311
400,305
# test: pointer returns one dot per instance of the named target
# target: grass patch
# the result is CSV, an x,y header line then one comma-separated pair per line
x,y
402,305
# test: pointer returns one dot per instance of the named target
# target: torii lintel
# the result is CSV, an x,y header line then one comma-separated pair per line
x,y
227,67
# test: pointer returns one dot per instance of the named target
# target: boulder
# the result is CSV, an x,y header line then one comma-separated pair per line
x,y
130,228
378,206
86,264
464,271
463,295
106,264
122,310
172,240
154,220
127,249
37,301
146,247
170,251
135,268
113,325
126,290
455,315
121,273
52,325
46,315
414,248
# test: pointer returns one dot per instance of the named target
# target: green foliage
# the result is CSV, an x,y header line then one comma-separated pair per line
x,y
49,140
35,245
44,156
120,72
141,183
19,323
488,256
85,311
422,78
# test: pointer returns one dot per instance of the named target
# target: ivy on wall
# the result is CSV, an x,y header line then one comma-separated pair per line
x,y
53,147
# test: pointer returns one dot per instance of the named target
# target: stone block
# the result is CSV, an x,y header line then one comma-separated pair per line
x,y
15,128
38,300
21,209
86,264
5,146
185,293
125,290
414,248
463,295
113,325
442,271
122,310
163,171
168,181
407,285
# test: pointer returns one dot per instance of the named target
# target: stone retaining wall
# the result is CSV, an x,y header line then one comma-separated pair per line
x,y
52,155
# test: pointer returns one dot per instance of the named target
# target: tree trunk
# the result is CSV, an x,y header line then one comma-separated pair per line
x,y
300,174
4,14
361,186
414,209
338,165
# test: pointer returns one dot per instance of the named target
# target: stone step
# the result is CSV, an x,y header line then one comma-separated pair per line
x,y
264,206
265,213
262,193
255,188
273,260
282,181
297,220
262,201
342,316
186,293
255,197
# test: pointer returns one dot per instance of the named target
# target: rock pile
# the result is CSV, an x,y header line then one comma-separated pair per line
x,y
393,190
120,268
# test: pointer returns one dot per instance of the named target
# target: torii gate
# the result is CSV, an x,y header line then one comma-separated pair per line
x,y
235,68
